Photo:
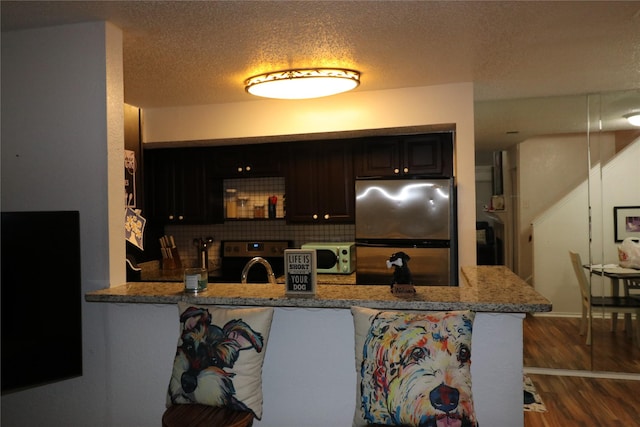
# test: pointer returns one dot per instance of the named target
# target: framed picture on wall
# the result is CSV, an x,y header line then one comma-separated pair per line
x,y
626,222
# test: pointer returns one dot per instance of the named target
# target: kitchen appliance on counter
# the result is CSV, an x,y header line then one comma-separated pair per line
x,y
414,216
235,254
334,257
203,245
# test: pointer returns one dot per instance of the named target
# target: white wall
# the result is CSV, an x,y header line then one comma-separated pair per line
x,y
354,111
309,373
548,167
565,227
62,98
62,136
484,191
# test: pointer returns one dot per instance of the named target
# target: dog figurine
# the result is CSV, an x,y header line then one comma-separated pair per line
x,y
204,353
416,370
401,272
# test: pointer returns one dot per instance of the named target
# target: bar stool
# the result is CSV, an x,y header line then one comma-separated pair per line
x,y
202,391
195,415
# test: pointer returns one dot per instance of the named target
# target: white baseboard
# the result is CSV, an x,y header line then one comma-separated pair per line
x,y
575,315
580,373
557,314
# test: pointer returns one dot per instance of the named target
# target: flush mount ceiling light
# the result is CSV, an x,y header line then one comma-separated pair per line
x,y
633,118
303,83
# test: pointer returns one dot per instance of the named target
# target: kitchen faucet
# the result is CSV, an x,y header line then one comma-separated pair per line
x,y
258,260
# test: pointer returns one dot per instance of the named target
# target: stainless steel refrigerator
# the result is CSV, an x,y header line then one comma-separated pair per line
x,y
414,216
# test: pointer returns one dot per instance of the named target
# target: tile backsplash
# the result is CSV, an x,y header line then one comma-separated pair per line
x,y
257,191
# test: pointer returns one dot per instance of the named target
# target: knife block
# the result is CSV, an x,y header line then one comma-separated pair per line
x,y
174,262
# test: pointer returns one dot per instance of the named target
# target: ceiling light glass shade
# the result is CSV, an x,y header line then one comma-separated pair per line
x,y
634,118
303,83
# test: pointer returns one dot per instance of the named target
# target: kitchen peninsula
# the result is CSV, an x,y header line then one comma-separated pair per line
x,y
309,374
484,289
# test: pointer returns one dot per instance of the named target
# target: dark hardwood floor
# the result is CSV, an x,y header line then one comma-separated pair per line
x,y
554,342
581,401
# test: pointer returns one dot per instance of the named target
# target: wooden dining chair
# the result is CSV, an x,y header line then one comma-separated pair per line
x,y
631,285
621,304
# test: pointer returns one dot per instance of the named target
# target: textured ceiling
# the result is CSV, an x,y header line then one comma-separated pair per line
x,y
185,53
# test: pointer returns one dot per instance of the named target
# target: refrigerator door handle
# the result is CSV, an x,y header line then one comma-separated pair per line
x,y
371,245
403,243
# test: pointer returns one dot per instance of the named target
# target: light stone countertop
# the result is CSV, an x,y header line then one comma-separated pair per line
x,y
482,289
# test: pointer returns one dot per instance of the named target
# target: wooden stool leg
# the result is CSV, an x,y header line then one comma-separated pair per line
x,y
636,337
194,415
627,324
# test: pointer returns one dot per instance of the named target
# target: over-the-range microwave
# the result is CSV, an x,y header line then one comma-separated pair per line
x,y
334,257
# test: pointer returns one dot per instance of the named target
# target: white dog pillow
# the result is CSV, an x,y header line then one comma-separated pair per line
x,y
413,368
219,357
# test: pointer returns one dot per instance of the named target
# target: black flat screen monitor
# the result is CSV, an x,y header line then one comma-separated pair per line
x,y
41,298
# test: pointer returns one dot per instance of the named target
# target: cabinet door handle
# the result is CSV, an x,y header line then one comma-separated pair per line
x,y
406,170
180,217
314,216
396,171
326,216
248,168
171,217
240,169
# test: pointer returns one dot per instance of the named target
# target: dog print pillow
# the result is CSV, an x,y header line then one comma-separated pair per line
x,y
413,368
219,357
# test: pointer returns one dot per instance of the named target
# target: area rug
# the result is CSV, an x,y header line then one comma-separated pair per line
x,y
532,400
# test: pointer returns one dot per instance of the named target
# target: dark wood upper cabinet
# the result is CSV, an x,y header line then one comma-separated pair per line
x,y
413,155
320,183
249,161
184,185
181,187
